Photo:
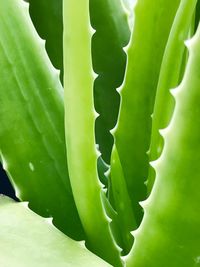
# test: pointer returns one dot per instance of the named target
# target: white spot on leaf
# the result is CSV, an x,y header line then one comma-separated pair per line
x,y
31,166
197,260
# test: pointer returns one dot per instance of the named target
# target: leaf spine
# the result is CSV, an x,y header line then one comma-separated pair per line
x,y
153,163
164,132
144,203
119,89
25,204
82,243
94,75
113,130
98,153
126,48
96,114
134,233
49,220
107,173
175,91
92,30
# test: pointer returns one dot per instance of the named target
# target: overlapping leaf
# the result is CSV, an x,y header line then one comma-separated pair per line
x,y
32,142
30,240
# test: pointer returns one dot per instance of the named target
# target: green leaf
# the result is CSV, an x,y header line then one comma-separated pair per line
x,y
122,203
47,18
80,135
132,132
32,141
110,21
169,78
197,14
30,240
169,234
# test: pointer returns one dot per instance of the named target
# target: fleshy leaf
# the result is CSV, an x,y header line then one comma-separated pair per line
x,y
132,132
125,216
32,140
110,21
80,132
169,79
47,18
169,234
28,240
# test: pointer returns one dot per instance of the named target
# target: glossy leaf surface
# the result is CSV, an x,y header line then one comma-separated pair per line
x,y
169,78
47,19
110,21
32,141
169,234
132,132
80,132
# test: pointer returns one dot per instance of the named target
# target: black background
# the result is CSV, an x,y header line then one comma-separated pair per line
x,y
5,185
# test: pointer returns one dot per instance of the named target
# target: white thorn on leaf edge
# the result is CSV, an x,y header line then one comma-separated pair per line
x,y
153,163
82,244
126,48
188,43
108,218
92,30
57,71
119,89
98,153
94,74
42,41
163,132
194,39
104,189
174,91
96,114
49,220
107,173
134,233
144,203
113,130
25,204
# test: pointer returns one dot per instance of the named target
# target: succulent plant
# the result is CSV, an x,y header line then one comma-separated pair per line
x,y
100,133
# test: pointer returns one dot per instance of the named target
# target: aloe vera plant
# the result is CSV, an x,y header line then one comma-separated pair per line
x,y
103,154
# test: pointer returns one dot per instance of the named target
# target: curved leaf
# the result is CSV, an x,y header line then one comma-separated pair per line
x,y
169,79
47,18
30,240
80,135
169,234
132,132
32,141
110,21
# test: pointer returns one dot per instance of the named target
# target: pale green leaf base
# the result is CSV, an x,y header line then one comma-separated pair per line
x,y
28,240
